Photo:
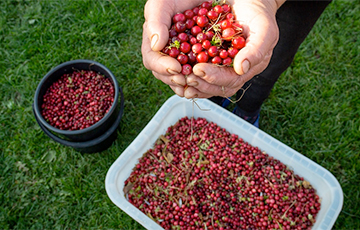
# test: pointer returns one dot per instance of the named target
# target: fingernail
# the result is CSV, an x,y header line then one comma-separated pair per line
x,y
245,66
171,71
174,82
200,73
154,39
193,83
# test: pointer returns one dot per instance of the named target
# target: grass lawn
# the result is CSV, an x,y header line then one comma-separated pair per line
x,y
314,108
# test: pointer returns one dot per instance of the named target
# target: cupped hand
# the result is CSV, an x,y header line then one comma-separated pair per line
x,y
158,17
261,32
207,80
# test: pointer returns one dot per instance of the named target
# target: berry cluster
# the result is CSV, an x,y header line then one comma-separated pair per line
x,y
207,33
77,100
199,176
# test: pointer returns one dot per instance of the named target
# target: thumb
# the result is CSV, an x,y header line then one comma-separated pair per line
x,y
158,22
256,51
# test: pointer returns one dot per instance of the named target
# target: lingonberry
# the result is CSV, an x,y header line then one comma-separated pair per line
x,y
202,21
202,57
77,100
213,51
185,47
210,24
197,48
186,69
198,174
179,18
238,42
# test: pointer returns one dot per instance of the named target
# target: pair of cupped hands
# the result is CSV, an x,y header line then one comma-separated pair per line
x,y
260,30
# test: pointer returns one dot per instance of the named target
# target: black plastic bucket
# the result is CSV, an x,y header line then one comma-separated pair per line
x,y
95,138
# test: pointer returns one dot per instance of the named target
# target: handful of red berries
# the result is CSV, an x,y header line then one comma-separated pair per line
x,y
207,33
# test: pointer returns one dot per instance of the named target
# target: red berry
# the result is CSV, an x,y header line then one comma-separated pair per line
x,y
218,9
192,57
226,8
195,30
228,34
174,52
232,52
193,40
182,58
227,61
189,23
206,5
186,69
185,47
223,54
179,18
196,48
180,27
196,10
189,14
213,15
202,57
202,21
230,17
213,51
200,37
216,60
206,44
183,37
238,42
172,33
224,24
202,12
209,34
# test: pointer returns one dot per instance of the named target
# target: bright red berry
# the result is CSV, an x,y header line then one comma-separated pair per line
x,y
213,51
238,42
202,21
186,69
185,47
202,57
179,18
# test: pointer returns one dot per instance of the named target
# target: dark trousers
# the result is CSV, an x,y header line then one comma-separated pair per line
x,y
295,20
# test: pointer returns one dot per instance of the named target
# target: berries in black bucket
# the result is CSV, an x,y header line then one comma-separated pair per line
x,y
77,100
77,104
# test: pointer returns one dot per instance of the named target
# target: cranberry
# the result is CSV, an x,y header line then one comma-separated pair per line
x,y
198,174
211,25
77,100
202,57
179,18
185,47
238,42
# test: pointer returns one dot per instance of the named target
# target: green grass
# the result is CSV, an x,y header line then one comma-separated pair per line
x,y
314,108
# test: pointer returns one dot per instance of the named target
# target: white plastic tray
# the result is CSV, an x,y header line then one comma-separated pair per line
x,y
328,188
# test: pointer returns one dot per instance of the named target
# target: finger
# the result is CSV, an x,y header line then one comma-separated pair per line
x,y
191,92
217,75
258,45
159,22
173,80
205,89
178,90
160,63
260,67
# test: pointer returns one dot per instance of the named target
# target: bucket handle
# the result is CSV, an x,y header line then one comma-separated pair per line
x,y
86,143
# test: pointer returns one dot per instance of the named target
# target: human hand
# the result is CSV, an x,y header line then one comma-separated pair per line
x,y
158,18
260,29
